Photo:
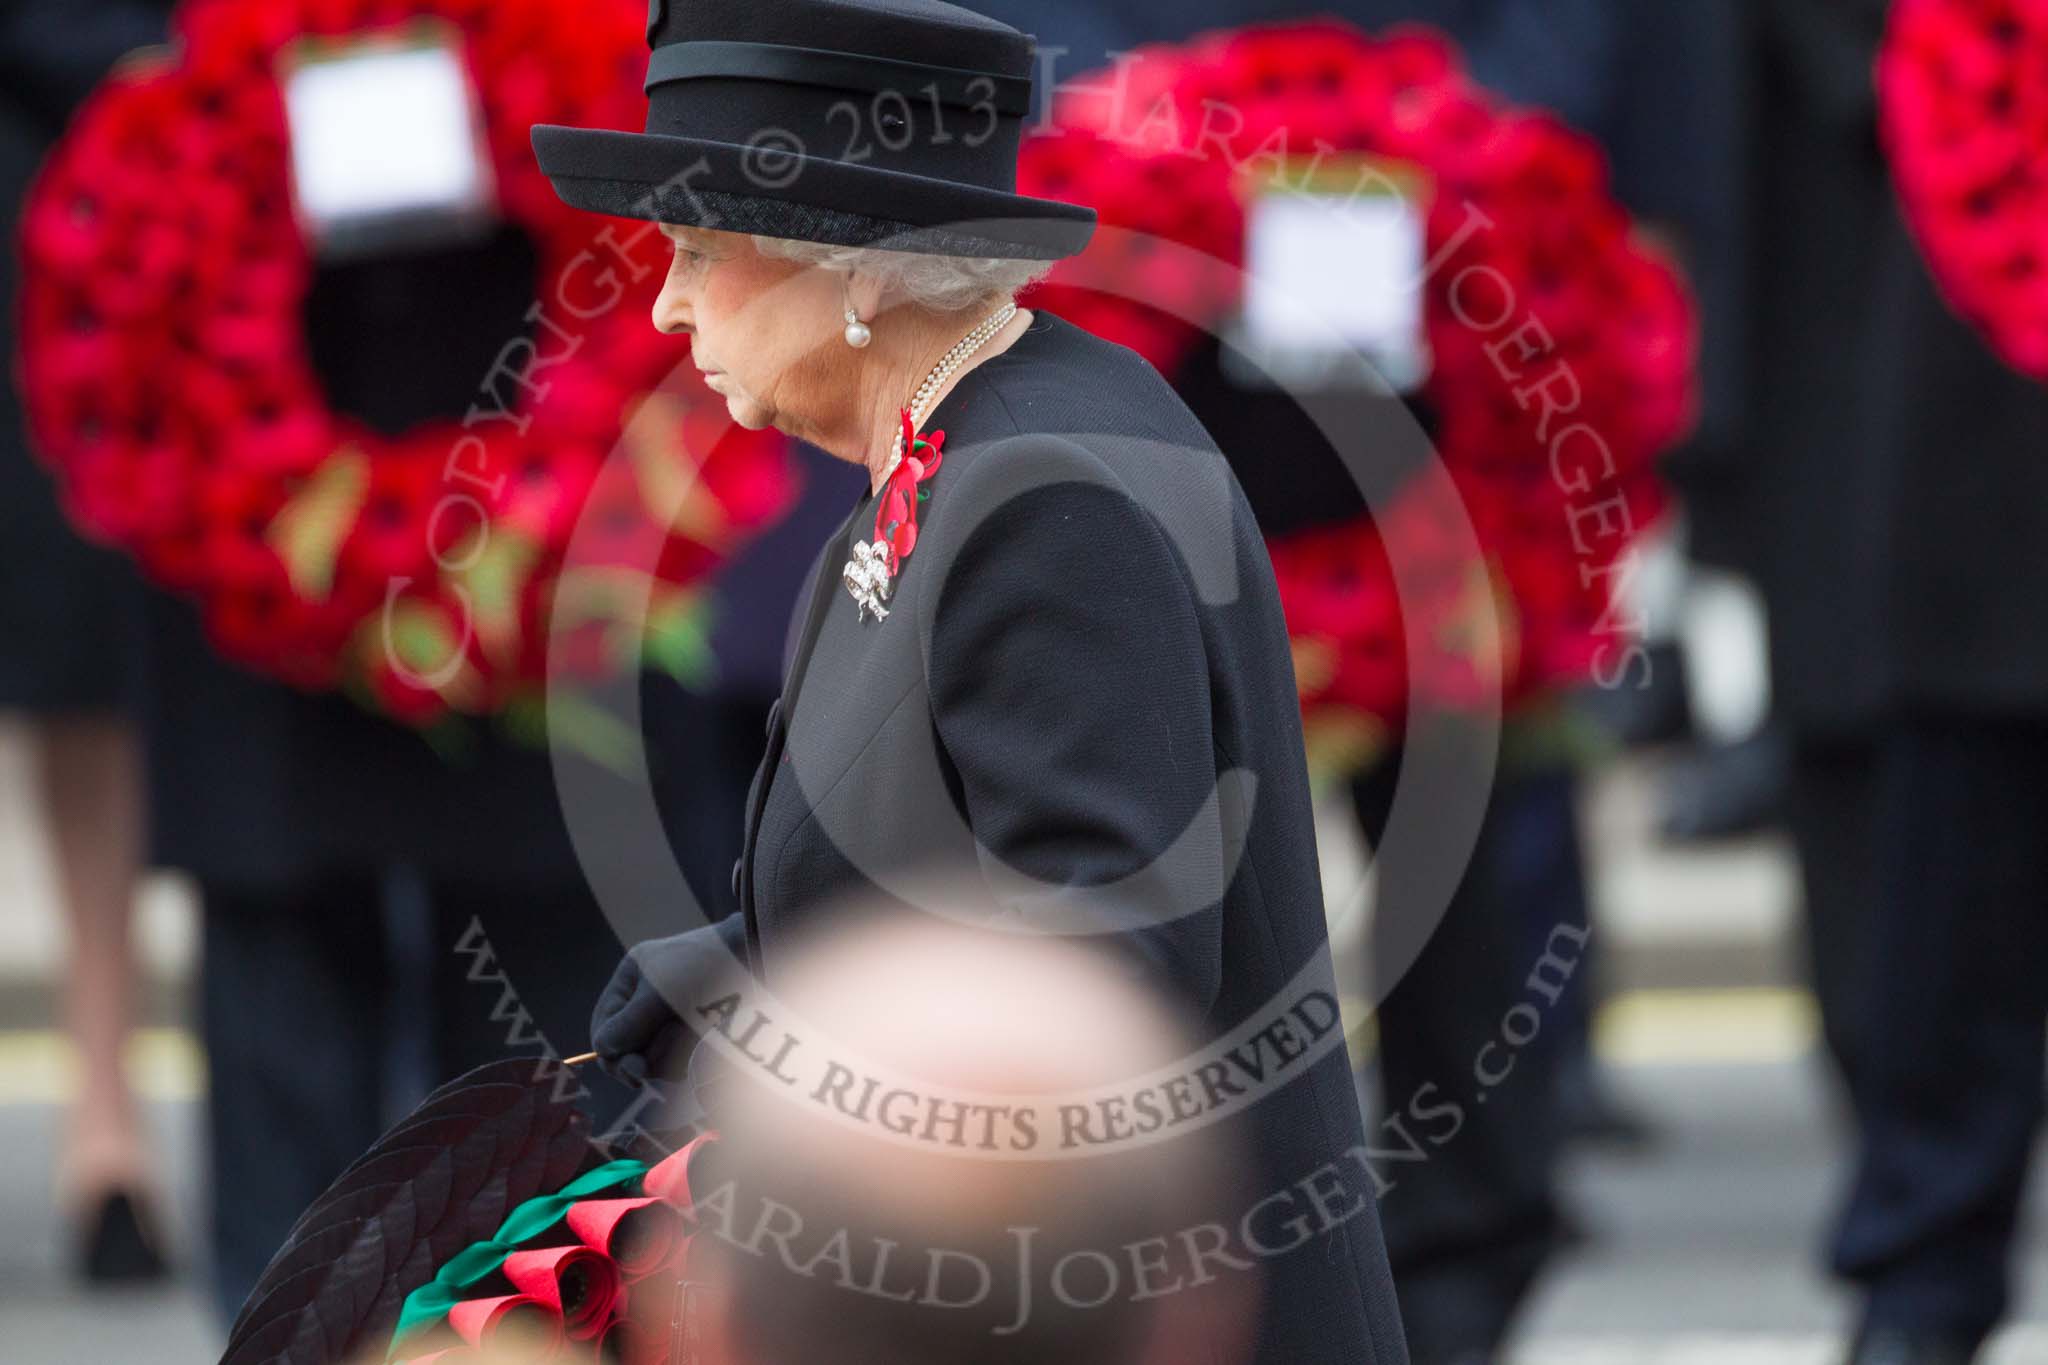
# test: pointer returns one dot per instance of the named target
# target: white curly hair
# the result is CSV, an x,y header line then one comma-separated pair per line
x,y
943,284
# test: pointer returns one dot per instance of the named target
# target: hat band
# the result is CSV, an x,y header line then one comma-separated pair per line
x,y
947,85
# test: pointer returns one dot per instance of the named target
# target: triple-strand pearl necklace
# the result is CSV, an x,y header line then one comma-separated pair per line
x,y
870,576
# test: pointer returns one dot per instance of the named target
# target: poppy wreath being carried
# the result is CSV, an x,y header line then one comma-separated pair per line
x,y
170,385
1963,109
1563,348
490,1224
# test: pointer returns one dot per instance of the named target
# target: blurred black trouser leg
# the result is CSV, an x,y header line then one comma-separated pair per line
x,y
1468,1228
515,974
1832,813
292,1017
1949,1087
1543,879
518,969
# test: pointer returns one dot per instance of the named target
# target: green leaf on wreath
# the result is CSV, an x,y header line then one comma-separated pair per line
x,y
453,738
583,727
678,640
422,637
1545,734
588,729
308,530
671,486
535,715
614,598
524,719
499,563
601,592
426,643
1340,741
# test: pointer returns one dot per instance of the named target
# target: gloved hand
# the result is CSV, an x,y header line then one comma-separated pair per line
x,y
635,1029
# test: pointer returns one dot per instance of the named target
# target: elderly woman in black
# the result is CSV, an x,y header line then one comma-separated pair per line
x,y
1046,645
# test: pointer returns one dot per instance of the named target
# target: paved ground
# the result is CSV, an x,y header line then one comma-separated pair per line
x,y
1701,1249
46,1321
1699,1255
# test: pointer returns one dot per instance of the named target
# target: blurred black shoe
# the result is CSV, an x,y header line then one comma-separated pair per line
x,y
1651,706
1726,791
118,1243
1884,1347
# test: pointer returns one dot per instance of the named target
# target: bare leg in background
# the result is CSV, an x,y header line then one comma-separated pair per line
x,y
89,776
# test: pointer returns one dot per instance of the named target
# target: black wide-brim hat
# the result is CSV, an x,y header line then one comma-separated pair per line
x,y
882,123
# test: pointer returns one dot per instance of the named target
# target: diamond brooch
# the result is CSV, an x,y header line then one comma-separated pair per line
x,y
867,578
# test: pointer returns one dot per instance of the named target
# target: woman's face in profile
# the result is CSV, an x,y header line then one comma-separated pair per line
x,y
759,327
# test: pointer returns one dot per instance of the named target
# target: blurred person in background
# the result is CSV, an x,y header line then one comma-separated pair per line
x,y
67,662
1897,503
380,916
382,908
377,916
1678,135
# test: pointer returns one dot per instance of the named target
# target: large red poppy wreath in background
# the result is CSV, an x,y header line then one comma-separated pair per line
x,y
1564,346
171,389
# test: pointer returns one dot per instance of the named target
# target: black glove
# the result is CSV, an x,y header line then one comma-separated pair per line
x,y
635,1029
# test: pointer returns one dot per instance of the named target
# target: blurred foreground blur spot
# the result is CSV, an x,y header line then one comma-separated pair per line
x,y
908,1199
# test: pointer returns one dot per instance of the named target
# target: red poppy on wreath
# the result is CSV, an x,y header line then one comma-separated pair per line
x,y
171,389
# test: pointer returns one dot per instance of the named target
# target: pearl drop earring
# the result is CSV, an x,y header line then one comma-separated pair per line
x,y
857,333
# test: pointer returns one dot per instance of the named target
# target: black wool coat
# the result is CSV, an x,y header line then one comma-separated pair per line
x,y
1084,681
67,608
1897,490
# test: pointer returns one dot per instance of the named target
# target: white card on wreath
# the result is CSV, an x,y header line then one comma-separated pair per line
x,y
385,141
1334,269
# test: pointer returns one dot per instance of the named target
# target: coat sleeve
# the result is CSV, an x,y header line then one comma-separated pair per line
x,y
1070,691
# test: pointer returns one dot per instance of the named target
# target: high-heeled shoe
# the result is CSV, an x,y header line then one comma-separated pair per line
x,y
119,1243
